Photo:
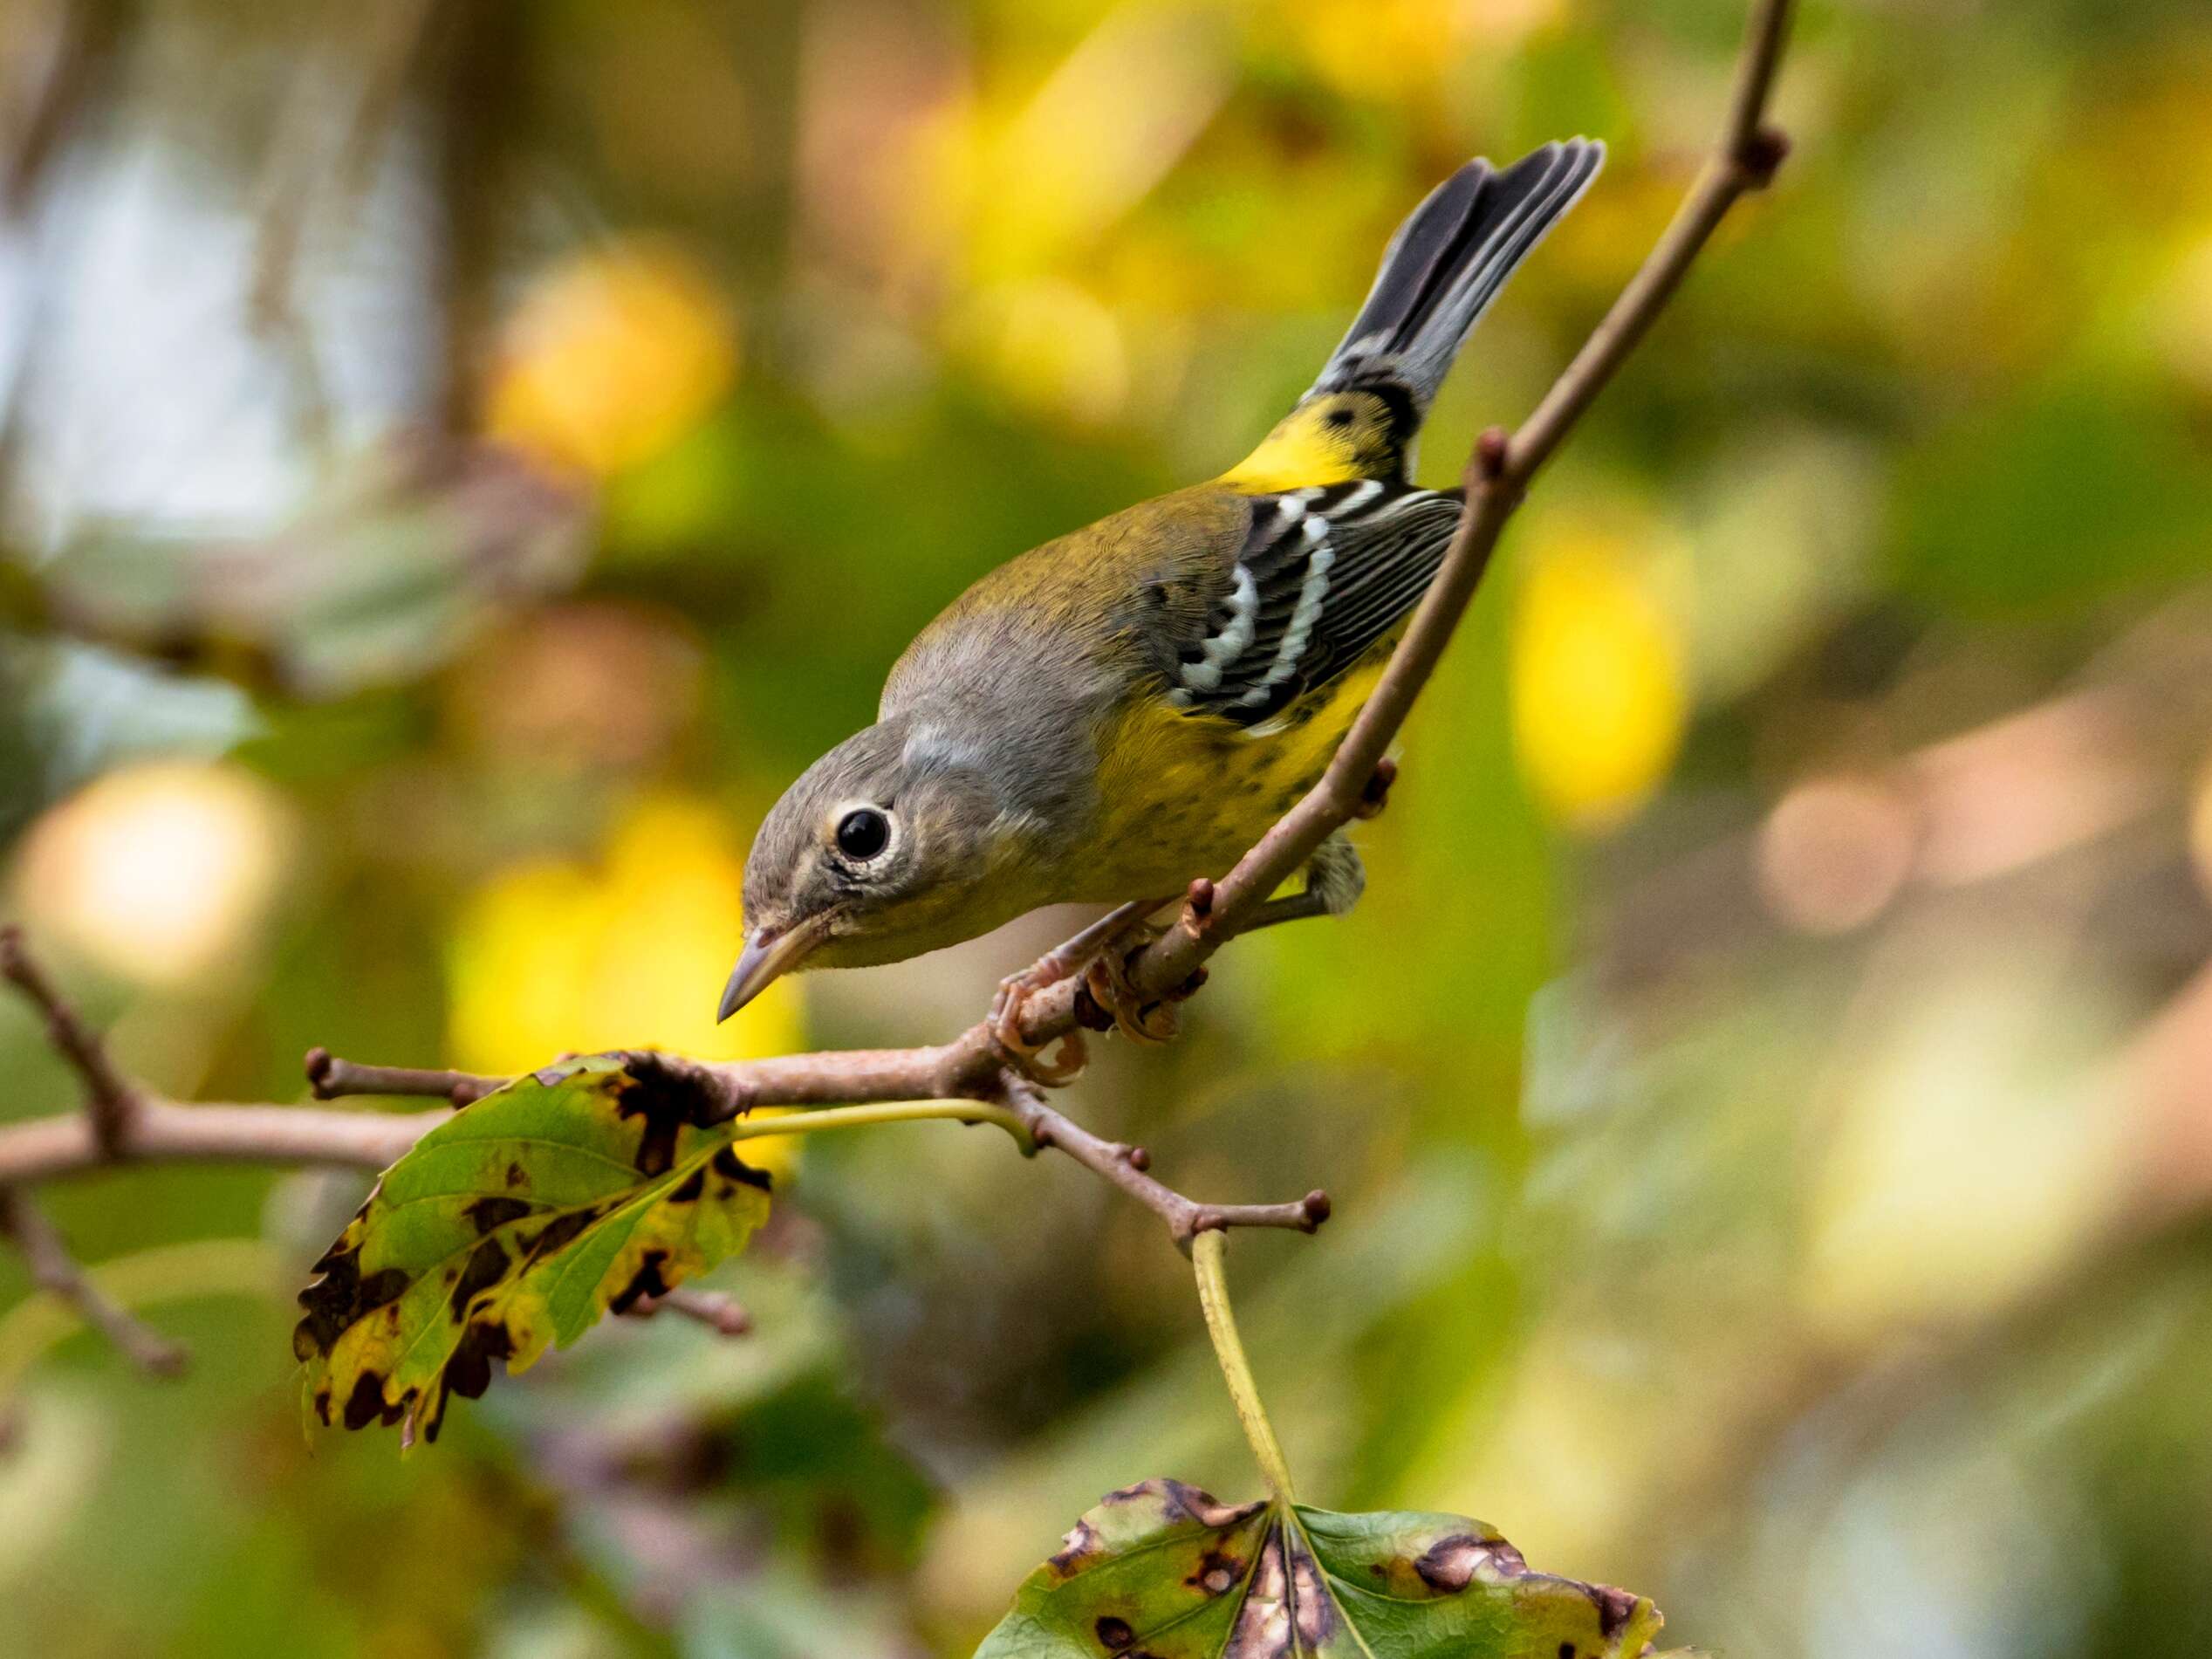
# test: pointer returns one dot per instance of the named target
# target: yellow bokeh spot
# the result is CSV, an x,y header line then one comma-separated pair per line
x,y
1599,701
2201,828
159,872
1035,185
1375,48
1388,49
1973,1151
553,957
2184,325
610,359
1050,347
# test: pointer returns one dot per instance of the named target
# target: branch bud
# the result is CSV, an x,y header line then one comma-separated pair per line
x,y
1491,450
1760,155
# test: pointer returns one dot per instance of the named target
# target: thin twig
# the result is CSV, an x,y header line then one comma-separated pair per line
x,y
1744,159
720,1313
331,1079
1126,1165
109,1100
967,1068
55,1271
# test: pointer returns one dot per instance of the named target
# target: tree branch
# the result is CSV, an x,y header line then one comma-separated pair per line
x,y
168,1132
966,1082
54,1270
1126,1165
109,1101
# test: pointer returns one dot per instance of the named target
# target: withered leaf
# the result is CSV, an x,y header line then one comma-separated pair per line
x,y
1162,1571
514,1226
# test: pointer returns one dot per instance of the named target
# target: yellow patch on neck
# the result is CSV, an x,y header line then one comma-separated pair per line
x,y
1329,440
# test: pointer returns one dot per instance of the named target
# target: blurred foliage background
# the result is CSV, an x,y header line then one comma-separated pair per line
x,y
459,460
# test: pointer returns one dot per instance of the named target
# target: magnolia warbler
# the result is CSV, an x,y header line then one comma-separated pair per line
x,y
1132,705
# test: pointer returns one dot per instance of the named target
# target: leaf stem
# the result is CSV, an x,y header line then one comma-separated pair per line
x,y
861,1117
1207,1254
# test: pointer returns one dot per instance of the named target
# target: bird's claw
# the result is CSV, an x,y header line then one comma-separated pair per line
x,y
1104,939
1139,1018
1025,1057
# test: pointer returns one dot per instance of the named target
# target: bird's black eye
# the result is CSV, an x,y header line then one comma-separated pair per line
x,y
862,833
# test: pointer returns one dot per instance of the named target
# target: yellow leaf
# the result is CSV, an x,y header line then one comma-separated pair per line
x,y
513,1226
1050,347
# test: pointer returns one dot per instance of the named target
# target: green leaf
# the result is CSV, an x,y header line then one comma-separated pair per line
x,y
1162,1571
570,1193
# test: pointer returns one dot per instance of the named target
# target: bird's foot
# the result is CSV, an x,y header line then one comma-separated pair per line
x,y
1025,1057
1334,879
1140,1018
1051,969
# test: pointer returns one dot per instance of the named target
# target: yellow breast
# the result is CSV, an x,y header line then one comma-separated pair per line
x,y
1185,795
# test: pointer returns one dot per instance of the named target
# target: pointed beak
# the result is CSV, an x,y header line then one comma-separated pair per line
x,y
766,958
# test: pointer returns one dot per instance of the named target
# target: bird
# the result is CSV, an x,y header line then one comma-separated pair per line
x,y
1130,706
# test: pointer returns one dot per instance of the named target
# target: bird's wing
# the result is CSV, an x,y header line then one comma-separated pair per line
x,y
1321,574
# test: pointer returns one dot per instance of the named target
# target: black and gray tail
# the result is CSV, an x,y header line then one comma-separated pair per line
x,y
1448,262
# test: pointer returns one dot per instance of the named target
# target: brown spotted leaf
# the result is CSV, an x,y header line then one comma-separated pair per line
x,y
515,1226
1162,1571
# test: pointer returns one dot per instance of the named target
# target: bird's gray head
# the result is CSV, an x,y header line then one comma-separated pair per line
x,y
872,856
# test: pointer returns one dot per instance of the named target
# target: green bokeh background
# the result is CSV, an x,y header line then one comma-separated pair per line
x,y
1776,1177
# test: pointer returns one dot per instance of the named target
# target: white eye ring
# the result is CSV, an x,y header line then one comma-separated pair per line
x,y
863,832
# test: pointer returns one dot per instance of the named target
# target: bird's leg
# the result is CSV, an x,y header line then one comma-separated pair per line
x,y
1063,963
1334,879
1140,1017
1334,876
